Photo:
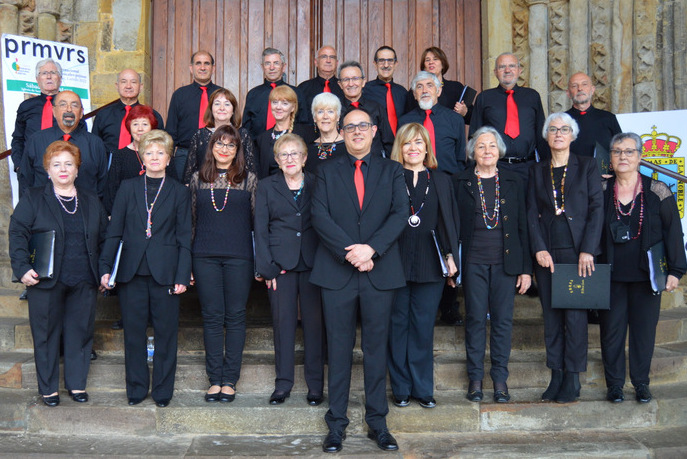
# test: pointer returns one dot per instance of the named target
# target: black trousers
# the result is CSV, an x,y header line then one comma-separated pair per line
x,y
488,289
632,304
565,330
340,312
223,287
293,288
141,298
411,339
68,312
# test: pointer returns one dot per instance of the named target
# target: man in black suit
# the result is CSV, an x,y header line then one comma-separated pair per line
x,y
326,62
359,210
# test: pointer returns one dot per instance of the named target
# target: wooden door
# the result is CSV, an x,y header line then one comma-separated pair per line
x,y
236,32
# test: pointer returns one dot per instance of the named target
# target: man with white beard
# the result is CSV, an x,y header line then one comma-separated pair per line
x,y
596,125
446,127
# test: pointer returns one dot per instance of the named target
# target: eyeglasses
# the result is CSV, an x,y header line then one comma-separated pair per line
x,y
325,56
351,80
225,146
629,152
364,126
509,67
73,105
52,73
563,130
385,61
292,155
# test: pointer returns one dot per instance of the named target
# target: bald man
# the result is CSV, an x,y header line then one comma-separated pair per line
x,y
108,122
326,63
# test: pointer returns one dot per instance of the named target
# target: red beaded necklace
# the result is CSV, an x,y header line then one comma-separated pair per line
x,y
639,189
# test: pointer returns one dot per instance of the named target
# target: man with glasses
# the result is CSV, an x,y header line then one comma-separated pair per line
x,y
35,113
257,116
389,95
352,82
326,62
359,209
516,113
68,112
596,126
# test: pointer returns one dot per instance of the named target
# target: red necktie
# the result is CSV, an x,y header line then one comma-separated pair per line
x,y
391,109
203,106
66,137
512,120
359,182
356,104
326,86
430,128
124,136
46,118
270,117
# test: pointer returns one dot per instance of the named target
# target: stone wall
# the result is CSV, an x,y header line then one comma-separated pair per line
x,y
633,49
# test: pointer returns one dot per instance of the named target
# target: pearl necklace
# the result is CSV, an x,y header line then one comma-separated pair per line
x,y
497,208
226,194
62,200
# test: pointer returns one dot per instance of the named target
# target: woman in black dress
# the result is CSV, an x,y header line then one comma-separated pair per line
x,y
64,304
639,213
326,111
432,210
285,244
222,202
565,218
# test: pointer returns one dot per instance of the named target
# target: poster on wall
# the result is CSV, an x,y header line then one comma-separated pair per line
x,y
662,134
19,58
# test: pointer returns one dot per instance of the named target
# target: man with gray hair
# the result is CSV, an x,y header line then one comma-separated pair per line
x,y
257,115
109,122
35,113
352,82
326,62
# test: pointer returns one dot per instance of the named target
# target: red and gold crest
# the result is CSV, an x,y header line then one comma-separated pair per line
x,y
660,149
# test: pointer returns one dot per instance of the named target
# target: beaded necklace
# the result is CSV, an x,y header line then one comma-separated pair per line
x,y
226,194
300,189
149,208
325,152
276,136
138,157
497,208
639,189
62,200
561,209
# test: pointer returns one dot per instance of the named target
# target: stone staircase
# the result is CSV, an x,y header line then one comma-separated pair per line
x,y
250,427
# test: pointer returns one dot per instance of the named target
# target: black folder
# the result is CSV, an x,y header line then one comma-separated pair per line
x,y
115,266
658,267
442,261
468,95
42,254
603,159
570,291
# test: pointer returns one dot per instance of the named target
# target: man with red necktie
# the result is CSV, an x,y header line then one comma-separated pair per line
x,y
35,113
257,115
109,122
596,125
326,62
391,96
516,113
68,112
188,104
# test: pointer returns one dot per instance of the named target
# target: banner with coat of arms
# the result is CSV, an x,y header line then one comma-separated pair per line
x,y
662,134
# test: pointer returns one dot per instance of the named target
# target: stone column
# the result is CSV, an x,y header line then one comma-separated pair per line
x,y
622,58
496,36
579,36
679,52
538,65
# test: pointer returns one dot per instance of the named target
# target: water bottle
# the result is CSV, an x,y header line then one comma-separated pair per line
x,y
151,348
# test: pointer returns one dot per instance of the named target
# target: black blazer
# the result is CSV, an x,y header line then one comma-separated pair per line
x,y
38,211
583,204
339,222
168,251
513,220
661,222
283,232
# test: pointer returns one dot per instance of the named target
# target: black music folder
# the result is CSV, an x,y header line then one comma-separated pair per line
x,y
442,261
603,159
115,266
570,291
41,254
658,267
468,95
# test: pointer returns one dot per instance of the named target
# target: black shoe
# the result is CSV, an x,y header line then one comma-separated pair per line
x,y
24,296
117,325
427,402
615,394
314,399
475,393
333,441
135,401
279,396
501,396
81,397
94,356
210,398
568,393
550,393
227,398
51,400
401,401
642,393
384,439
453,318
162,403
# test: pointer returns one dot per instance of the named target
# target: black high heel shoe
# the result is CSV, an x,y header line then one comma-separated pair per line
x,y
51,400
80,397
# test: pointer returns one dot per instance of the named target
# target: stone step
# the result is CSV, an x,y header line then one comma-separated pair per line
x,y
528,334
108,414
527,370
